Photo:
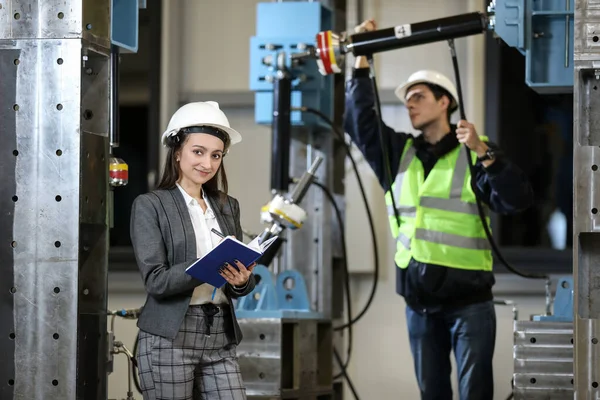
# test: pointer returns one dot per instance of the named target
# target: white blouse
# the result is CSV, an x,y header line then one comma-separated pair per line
x,y
206,240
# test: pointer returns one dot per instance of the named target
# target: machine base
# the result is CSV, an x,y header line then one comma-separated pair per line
x,y
543,360
285,358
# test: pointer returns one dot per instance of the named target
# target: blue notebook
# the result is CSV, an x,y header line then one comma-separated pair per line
x,y
206,269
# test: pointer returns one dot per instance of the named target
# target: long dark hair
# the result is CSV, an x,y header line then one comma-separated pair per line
x,y
170,174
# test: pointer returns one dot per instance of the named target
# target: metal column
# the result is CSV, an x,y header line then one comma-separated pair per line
x,y
54,124
586,223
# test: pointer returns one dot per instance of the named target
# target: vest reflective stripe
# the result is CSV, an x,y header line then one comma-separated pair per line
x,y
452,240
439,223
449,204
460,173
405,210
404,241
404,164
408,211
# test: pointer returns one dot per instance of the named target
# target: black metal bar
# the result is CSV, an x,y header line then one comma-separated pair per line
x,y
8,185
153,10
114,96
282,132
367,43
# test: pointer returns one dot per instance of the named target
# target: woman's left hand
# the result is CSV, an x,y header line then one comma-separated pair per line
x,y
237,277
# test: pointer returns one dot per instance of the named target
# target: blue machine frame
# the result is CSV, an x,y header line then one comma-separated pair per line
x,y
285,27
542,30
563,302
286,297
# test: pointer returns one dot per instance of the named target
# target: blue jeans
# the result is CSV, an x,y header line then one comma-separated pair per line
x,y
470,332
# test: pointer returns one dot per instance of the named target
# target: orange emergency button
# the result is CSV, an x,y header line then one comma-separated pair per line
x,y
118,172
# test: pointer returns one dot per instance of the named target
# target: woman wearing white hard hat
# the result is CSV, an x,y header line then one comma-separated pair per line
x,y
443,261
188,330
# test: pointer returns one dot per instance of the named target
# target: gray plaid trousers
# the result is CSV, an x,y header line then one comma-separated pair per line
x,y
193,366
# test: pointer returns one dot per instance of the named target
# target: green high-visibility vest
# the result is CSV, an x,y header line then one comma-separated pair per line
x,y
439,221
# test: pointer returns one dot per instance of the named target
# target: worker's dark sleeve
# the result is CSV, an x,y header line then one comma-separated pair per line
x,y
360,122
503,185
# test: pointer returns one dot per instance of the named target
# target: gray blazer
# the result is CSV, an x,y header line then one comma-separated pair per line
x,y
165,245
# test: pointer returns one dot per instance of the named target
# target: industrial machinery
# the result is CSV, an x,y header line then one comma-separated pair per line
x,y
57,62
57,127
281,56
287,320
541,30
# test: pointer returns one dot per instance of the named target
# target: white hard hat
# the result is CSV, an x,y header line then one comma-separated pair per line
x,y
202,113
428,76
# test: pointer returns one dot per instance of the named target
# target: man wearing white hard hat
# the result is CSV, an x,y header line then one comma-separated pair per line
x,y
188,329
443,259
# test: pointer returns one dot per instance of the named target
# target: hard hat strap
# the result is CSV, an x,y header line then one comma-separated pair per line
x,y
210,130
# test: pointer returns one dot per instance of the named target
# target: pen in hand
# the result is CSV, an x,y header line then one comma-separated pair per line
x,y
216,232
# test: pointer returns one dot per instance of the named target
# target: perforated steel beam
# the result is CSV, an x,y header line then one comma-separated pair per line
x,y
54,123
586,240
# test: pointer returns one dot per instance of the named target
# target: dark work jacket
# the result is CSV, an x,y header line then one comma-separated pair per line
x,y
502,186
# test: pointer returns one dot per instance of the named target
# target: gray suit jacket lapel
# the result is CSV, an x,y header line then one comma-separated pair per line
x,y
218,210
188,229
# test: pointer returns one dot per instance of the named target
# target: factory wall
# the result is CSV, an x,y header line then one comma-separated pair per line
x,y
198,65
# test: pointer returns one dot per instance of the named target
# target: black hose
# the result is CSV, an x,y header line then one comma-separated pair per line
x,y
344,372
479,202
512,390
338,132
482,216
385,143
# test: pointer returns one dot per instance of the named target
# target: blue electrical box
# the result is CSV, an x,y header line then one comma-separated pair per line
x,y
542,30
125,20
285,27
